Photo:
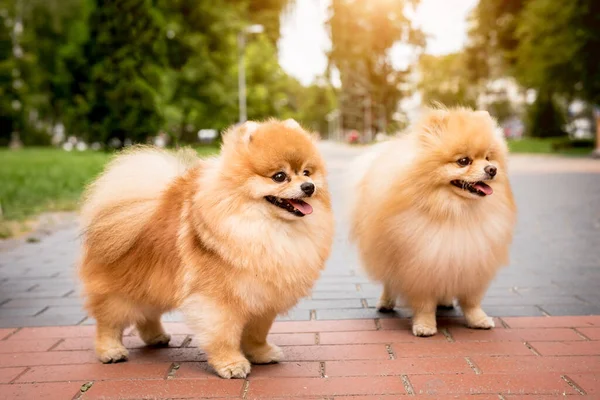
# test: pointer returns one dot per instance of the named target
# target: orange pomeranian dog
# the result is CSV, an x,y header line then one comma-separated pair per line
x,y
231,241
433,215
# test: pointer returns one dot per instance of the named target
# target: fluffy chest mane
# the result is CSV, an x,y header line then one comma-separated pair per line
x,y
248,237
476,238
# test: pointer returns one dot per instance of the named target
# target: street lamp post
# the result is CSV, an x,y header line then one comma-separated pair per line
x,y
241,39
367,122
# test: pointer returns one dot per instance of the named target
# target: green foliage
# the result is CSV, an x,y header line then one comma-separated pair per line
x,y
563,146
201,83
362,34
14,69
559,47
547,45
447,79
492,40
128,69
270,90
444,79
45,179
54,32
501,109
125,53
34,180
545,118
318,100
267,13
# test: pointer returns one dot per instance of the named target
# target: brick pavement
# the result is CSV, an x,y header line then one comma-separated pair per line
x,y
555,268
524,358
336,345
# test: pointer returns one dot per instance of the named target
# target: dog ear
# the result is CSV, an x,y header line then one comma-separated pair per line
x,y
247,130
291,123
433,122
241,132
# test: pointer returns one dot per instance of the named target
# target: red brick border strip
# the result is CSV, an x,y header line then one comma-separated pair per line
x,y
357,359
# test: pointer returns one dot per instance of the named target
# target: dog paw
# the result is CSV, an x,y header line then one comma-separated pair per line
x,y
483,323
386,306
237,369
266,354
161,340
424,330
113,354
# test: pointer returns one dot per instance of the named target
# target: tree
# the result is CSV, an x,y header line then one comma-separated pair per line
x,y
268,14
552,47
545,118
17,75
270,90
501,109
362,34
11,117
444,79
201,85
315,103
125,69
55,31
492,38
545,44
559,47
125,53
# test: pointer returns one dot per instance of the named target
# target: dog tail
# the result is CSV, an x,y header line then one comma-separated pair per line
x,y
119,204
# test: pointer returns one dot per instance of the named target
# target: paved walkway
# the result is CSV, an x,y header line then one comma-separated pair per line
x,y
524,358
337,346
555,267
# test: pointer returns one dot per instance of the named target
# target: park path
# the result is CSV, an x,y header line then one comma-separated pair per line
x,y
546,343
555,266
523,358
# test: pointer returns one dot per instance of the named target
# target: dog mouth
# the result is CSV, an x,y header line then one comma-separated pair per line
x,y
294,206
478,188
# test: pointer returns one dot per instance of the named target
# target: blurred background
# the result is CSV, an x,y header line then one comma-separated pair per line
x,y
80,77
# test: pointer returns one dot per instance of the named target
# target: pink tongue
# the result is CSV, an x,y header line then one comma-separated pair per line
x,y
484,188
303,207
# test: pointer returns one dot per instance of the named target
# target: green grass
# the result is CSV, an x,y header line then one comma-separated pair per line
x,y
559,146
207,150
36,180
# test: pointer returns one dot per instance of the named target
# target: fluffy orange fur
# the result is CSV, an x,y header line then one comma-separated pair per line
x,y
427,240
166,231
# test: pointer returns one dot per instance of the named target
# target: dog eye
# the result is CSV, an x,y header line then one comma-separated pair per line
x,y
487,158
465,161
306,172
279,177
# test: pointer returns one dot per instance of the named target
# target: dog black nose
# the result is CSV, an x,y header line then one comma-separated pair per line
x,y
490,170
308,188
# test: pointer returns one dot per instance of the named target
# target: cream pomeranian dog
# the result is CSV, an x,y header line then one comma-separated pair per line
x,y
433,215
231,241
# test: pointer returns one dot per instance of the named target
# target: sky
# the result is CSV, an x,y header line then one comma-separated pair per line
x,y
304,39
